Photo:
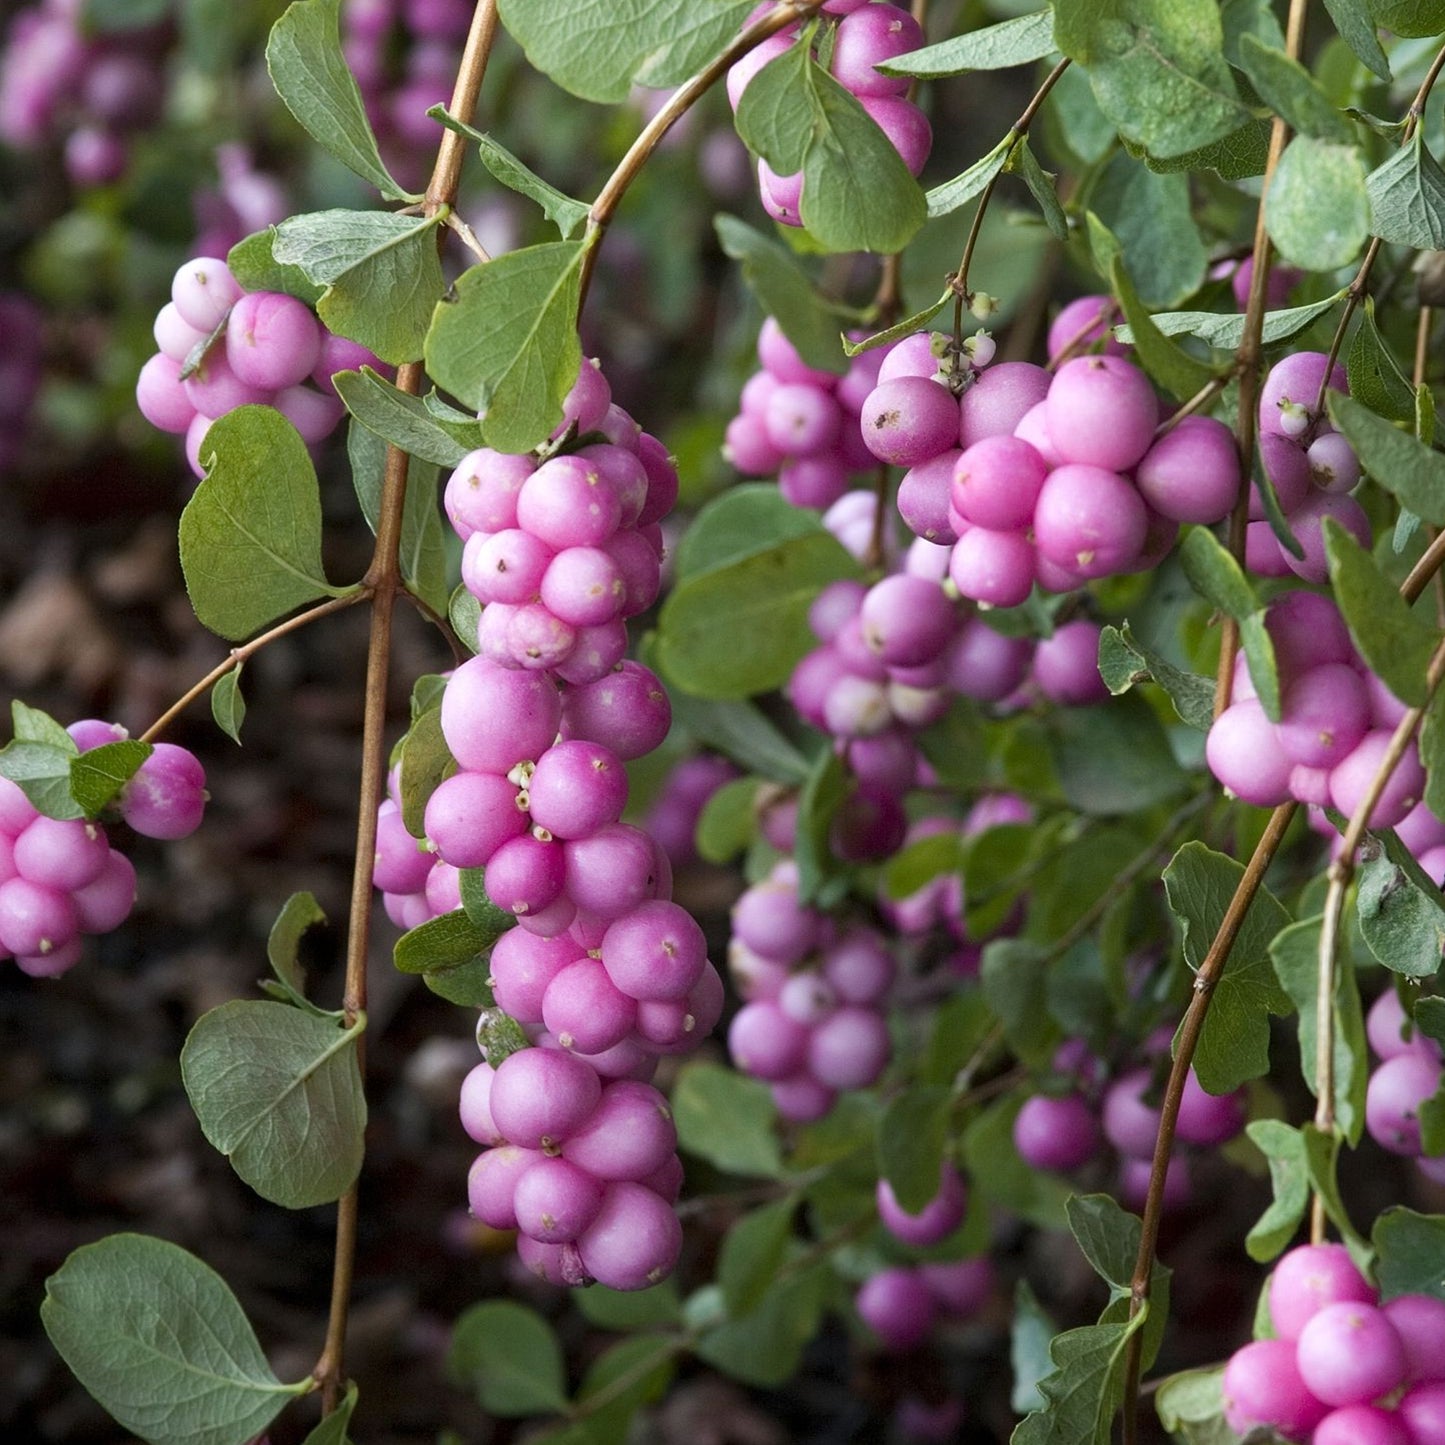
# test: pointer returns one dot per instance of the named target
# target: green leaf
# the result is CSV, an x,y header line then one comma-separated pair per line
x,y
899,329
1292,92
857,193
1412,18
310,74
1357,30
1396,642
253,263
1284,1150
1168,363
421,549
1124,661
1402,916
1398,461
1411,1250
765,1346
919,863
1375,376
993,47
727,824
1190,1405
251,535
1243,153
752,1252
911,1138
426,761
278,1091
1407,198
950,196
827,787
98,775
511,1359
743,733
635,1309
498,1037
765,598
1114,760
38,760
447,941
395,416
1317,211
567,214
1157,68
726,1119
741,522
773,275
228,707
1108,1237
1029,1338
332,1430
1000,1175
1295,954
507,345
1040,182
623,1378
1322,1155
1085,1388
1225,330
298,914
161,1342
1150,215
382,272
596,49
1014,974
1234,1046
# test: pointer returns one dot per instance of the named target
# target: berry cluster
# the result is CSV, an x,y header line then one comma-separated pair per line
x,y
1407,1077
603,970
812,1024
60,879
1311,466
801,424
222,347
59,84
672,816
561,552
901,1303
1336,718
1029,477
868,33
1342,1368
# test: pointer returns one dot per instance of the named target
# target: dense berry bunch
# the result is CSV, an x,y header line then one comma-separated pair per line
x,y
604,972
801,424
222,347
868,33
1311,466
60,879
1342,1368
64,87
1336,718
812,1024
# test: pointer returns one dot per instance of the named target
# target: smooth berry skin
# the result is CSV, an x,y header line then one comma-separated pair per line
x,y
1307,523
871,36
526,875
764,1042
568,502
906,620
908,420
1262,1385
64,855
161,396
1306,1279
936,1220
769,918
627,711
578,786
272,341
630,1134
106,903
850,1048
1349,1354
999,399
495,717
1325,714
996,483
400,865
470,815
1066,665
1081,323
1101,412
657,951
541,1096
555,1201
1243,752
1057,1134
1422,1408
1396,1092
492,1182
474,1108
1350,781
203,291
907,127
1090,520
1361,1425
1131,1125
896,1305
1419,1320
612,872
960,1287
1209,1119
1191,474
34,920
997,569
1298,379
1390,1030
506,566
166,797
522,965
635,1240
481,494
585,1010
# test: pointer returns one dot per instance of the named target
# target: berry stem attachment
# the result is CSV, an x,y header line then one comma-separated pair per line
x,y
958,282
